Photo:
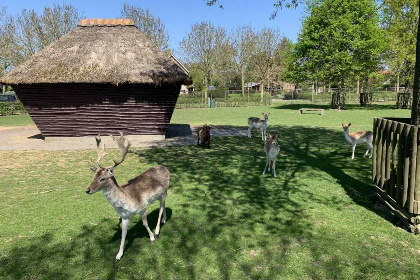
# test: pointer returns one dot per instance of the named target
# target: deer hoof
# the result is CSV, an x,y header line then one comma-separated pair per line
x,y
118,257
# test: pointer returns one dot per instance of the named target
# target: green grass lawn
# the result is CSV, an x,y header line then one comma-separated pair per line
x,y
318,220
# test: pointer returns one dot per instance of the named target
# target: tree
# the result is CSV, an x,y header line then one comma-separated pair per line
x,y
266,49
244,42
399,21
31,32
151,26
6,42
340,39
203,47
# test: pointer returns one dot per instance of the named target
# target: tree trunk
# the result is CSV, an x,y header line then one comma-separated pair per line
x,y
358,87
206,87
243,80
397,84
415,109
312,92
262,92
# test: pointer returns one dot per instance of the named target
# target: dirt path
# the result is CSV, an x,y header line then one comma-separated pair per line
x,y
29,138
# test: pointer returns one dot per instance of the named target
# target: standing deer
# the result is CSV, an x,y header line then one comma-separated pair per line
x,y
271,149
355,138
258,123
133,197
203,135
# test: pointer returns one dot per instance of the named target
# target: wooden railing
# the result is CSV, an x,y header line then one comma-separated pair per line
x,y
396,168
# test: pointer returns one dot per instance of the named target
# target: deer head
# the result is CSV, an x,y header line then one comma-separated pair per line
x,y
272,139
266,115
346,126
103,175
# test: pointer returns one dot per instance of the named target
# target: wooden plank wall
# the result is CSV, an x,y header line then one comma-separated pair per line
x,y
88,109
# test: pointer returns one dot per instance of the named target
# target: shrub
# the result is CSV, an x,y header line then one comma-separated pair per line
x,y
11,108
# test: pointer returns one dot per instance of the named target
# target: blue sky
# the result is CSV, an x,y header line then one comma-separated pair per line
x,y
179,15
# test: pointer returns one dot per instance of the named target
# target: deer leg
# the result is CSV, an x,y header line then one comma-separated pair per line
x,y
164,213
266,164
125,222
369,146
274,168
353,148
162,206
249,132
145,224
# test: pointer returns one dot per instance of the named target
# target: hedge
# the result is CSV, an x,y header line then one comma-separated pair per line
x,y
11,108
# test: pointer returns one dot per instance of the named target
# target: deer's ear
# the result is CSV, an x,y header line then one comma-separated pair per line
x,y
349,124
93,168
111,172
268,135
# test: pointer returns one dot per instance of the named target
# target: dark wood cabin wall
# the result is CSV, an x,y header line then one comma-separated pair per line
x,y
84,109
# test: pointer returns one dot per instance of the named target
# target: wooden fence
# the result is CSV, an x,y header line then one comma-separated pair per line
x,y
396,168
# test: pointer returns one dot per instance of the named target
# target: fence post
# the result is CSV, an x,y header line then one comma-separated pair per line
x,y
414,132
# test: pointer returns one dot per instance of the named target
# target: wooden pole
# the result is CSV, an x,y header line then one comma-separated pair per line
x,y
406,163
379,151
375,147
384,153
416,204
394,159
388,156
400,164
413,167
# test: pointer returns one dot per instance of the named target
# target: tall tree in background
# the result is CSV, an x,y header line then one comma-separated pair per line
x,y
263,60
6,42
399,21
340,39
244,42
31,32
151,26
202,48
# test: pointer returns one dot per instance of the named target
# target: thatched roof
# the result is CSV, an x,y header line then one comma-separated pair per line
x,y
99,51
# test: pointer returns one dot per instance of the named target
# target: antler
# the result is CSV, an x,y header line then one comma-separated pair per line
x,y
121,141
101,152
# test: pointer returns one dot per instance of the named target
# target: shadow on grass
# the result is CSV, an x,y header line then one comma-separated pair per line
x,y
227,220
352,106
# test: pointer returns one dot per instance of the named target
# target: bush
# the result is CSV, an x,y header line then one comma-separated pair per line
x,y
11,108
195,100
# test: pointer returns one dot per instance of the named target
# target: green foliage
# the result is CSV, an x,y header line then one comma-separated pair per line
x,y
399,20
11,108
339,39
195,100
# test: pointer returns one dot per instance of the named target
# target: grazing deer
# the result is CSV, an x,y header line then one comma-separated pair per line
x,y
203,135
355,138
271,149
133,197
258,123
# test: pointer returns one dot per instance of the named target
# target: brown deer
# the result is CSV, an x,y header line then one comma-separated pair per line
x,y
258,123
203,135
271,149
133,197
355,138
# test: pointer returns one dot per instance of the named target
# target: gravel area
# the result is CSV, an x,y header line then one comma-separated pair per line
x,y
29,138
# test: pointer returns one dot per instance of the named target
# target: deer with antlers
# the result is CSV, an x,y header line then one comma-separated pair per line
x,y
133,197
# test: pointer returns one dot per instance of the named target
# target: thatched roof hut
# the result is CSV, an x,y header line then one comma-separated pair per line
x,y
102,76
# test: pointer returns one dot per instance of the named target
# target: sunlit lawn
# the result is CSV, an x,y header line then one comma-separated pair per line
x,y
318,220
